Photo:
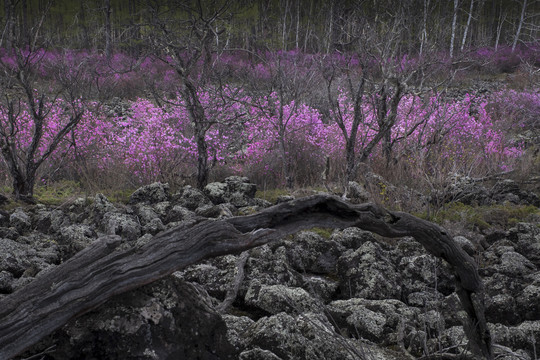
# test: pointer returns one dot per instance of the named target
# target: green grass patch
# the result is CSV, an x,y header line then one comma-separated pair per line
x,y
502,216
118,196
58,193
271,195
323,232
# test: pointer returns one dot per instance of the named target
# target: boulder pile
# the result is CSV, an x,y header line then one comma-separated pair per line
x,y
321,294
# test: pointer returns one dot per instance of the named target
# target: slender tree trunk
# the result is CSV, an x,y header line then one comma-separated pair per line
x,y
9,8
520,25
200,127
330,28
467,26
108,30
502,19
297,23
454,21
424,27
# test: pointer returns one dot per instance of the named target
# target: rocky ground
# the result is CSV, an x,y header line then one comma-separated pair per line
x,y
317,295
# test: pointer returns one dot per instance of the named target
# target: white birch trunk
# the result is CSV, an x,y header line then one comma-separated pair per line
x,y
516,38
453,36
467,26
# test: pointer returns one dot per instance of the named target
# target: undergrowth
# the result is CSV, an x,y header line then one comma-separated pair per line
x,y
481,218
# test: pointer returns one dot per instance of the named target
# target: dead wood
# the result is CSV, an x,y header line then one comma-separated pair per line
x,y
105,269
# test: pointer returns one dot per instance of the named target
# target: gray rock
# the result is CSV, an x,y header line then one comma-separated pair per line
x,y
153,227
502,308
191,198
284,198
372,319
236,329
4,218
125,225
454,338
278,298
310,252
357,320
235,190
357,193
321,288
150,194
528,303
368,273
514,264
428,298
76,237
216,275
306,336
214,211
270,267
169,319
352,238
179,213
421,272
258,354
6,282
145,213
20,262
465,244
20,221
100,206
216,192
527,239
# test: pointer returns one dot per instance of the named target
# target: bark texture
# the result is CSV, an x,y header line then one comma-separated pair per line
x,y
109,266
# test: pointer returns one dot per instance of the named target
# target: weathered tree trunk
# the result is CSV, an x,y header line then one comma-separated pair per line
x,y
469,17
104,269
454,21
520,25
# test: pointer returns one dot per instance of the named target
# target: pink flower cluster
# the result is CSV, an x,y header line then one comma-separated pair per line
x,y
152,142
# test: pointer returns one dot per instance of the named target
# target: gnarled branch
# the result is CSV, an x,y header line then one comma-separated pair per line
x,y
104,269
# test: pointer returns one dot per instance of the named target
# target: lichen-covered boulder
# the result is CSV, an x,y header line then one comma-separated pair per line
x,y
216,275
125,225
420,272
526,238
21,261
528,302
168,319
357,193
352,238
368,273
373,319
190,198
236,328
236,190
100,206
76,237
20,220
150,194
310,252
305,336
274,299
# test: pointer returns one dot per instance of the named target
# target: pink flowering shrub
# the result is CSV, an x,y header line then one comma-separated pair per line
x,y
257,136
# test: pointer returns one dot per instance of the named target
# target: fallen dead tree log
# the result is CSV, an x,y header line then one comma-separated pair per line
x,y
107,268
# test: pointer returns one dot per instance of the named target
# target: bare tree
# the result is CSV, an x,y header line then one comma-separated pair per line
x,y
188,46
26,104
278,94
